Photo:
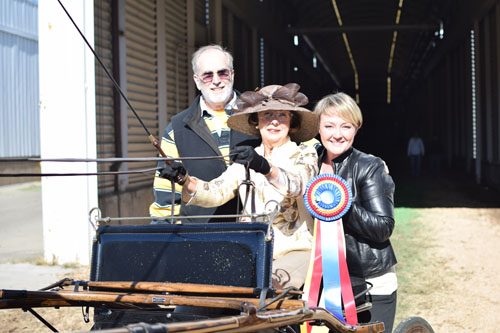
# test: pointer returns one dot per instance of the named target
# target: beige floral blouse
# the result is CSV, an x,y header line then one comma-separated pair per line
x,y
297,166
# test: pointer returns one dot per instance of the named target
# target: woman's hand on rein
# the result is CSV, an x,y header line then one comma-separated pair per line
x,y
246,155
174,171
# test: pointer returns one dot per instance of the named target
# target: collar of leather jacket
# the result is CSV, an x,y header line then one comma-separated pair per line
x,y
339,159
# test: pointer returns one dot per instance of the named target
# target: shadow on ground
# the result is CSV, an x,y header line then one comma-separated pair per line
x,y
450,189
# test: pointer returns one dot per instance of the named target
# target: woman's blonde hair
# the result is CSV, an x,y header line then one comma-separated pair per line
x,y
342,105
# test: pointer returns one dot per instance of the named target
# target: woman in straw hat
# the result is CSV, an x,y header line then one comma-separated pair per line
x,y
279,168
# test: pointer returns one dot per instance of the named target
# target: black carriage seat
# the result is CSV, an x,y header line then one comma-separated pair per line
x,y
235,254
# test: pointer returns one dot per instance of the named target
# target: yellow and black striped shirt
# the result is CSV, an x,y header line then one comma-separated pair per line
x,y
217,124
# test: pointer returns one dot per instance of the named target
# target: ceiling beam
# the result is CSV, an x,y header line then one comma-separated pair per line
x,y
363,28
323,62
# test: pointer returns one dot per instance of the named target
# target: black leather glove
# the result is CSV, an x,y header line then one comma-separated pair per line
x,y
175,171
247,155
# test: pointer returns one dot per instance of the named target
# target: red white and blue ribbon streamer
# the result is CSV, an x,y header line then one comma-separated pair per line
x,y
331,269
328,197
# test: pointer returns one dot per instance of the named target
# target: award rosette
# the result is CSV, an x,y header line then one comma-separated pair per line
x,y
328,197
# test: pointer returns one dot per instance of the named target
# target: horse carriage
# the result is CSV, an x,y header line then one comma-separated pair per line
x,y
187,278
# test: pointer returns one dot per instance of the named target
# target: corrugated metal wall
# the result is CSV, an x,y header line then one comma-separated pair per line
x,y
142,81
19,94
487,31
177,58
154,78
105,121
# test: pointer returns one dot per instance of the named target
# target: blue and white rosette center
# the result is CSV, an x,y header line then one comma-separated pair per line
x,y
328,196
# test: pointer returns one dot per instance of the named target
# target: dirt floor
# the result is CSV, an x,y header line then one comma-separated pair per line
x,y
456,290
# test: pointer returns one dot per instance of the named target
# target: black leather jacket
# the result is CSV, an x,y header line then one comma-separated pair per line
x,y
370,221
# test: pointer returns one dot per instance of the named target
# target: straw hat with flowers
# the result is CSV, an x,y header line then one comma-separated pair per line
x,y
275,98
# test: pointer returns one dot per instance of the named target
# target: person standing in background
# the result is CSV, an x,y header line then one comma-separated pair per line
x,y
415,153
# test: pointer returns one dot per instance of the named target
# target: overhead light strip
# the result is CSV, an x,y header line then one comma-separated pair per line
x,y
348,48
391,54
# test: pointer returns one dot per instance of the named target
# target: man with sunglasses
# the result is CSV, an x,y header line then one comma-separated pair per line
x,y
201,131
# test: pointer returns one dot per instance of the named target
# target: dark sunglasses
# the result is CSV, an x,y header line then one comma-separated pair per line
x,y
223,74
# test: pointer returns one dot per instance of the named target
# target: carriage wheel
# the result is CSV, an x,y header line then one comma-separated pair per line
x,y
414,325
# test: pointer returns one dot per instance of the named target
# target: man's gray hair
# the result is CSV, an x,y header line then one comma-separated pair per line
x,y
199,52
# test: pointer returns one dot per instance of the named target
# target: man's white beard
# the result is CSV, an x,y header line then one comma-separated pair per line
x,y
215,98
